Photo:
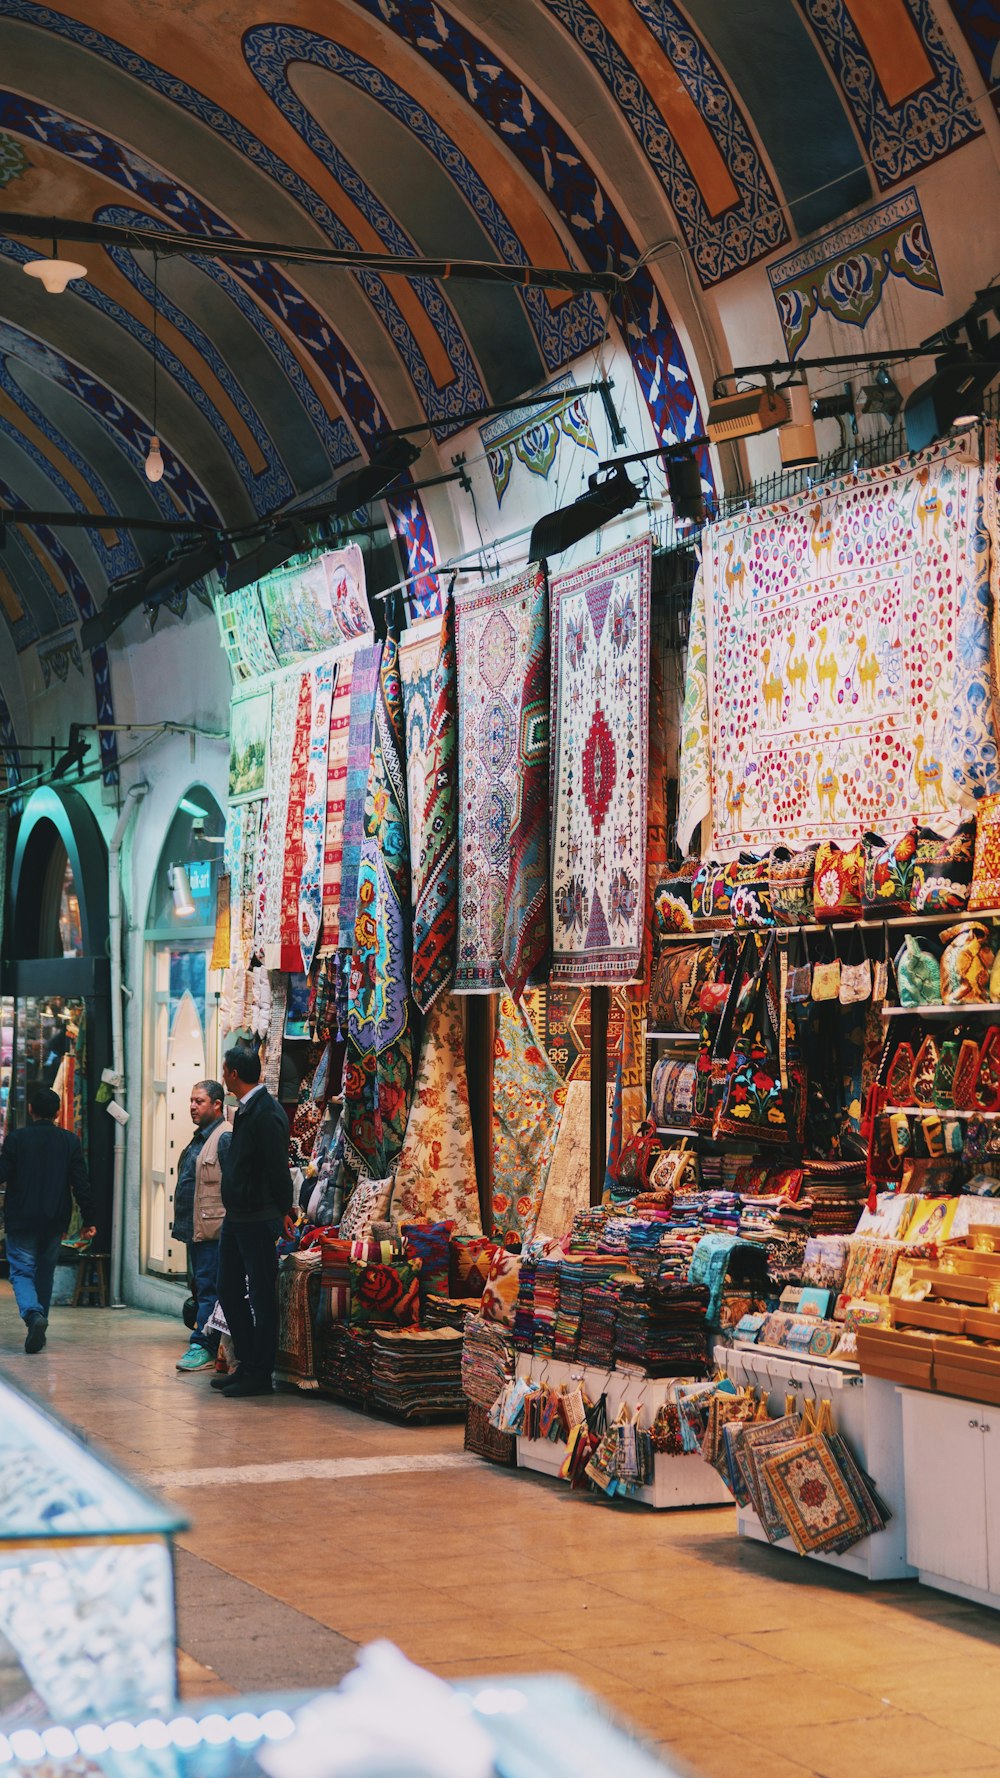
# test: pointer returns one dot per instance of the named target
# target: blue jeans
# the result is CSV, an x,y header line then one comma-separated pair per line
x,y
248,1267
204,1256
32,1260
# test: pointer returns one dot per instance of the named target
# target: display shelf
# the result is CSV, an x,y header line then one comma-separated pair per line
x,y
951,1467
936,1011
677,1481
869,921
868,1413
940,1111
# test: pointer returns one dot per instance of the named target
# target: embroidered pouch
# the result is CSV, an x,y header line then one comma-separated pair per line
x,y
963,1083
680,974
986,1095
918,974
966,963
942,870
712,892
791,882
672,901
750,905
985,891
855,975
837,881
944,1075
826,972
888,873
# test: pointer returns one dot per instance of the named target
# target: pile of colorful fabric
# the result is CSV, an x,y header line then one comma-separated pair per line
x,y
524,1314
448,1311
344,1362
487,1360
548,1280
417,1372
596,1344
662,1328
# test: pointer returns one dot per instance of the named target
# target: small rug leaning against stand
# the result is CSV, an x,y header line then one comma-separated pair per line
x,y
298,1301
600,696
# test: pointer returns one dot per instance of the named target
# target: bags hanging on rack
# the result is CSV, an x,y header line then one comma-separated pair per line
x,y
837,881
678,977
634,1163
764,1093
791,883
826,971
888,874
798,985
856,973
942,870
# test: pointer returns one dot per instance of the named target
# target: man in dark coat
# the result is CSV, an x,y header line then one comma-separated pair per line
x,y
257,1194
43,1170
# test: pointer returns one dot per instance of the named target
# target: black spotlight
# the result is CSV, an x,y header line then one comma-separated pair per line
x,y
389,461
687,496
606,497
955,390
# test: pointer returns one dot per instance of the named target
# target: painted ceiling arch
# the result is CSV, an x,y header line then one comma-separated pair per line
x,y
580,133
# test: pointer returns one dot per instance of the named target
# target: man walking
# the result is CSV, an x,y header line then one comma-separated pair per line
x,y
43,1170
257,1194
198,1214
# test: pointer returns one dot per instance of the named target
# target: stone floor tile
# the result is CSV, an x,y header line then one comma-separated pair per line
x,y
892,1745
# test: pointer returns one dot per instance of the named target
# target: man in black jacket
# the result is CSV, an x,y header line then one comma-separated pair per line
x,y
257,1194
43,1170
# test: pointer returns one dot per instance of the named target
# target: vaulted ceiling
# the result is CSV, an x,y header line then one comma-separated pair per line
x,y
548,132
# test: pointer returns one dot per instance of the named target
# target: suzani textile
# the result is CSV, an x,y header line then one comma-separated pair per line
x,y
434,828
364,685
314,812
314,606
500,631
528,1100
843,683
336,790
600,692
436,1178
378,1079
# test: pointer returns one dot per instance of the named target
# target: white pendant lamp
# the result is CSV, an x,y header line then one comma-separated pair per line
x,y
154,456
54,274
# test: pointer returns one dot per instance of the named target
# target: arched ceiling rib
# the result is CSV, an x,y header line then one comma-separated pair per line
x,y
562,132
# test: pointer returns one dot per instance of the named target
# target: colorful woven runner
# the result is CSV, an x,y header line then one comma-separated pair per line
x,y
314,814
290,958
336,789
434,824
364,684
527,936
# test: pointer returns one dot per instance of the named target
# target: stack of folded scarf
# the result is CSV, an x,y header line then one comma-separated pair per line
x,y
661,1328
597,1323
548,1280
448,1311
524,1313
487,1360
344,1362
567,1327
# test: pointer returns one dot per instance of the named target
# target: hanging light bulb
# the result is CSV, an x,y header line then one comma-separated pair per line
x,y
54,273
180,889
154,460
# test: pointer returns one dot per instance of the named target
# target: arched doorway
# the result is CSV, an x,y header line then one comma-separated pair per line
x,y
181,1032
56,1007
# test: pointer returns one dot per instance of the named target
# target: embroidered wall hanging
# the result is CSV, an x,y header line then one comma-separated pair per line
x,y
418,652
314,606
838,678
336,790
364,683
434,832
496,637
290,950
285,705
600,690
527,938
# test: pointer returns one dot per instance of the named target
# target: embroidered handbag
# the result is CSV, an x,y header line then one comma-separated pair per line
x,y
798,983
918,974
994,991
672,1090
986,1094
677,979
899,1075
634,1162
924,1069
944,1075
837,881
750,905
942,870
764,1095
712,892
826,973
888,873
985,892
856,976
963,1085
966,963
672,900
791,882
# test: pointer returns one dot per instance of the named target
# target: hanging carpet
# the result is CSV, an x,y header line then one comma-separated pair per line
x,y
436,1178
284,713
290,950
364,685
600,690
567,1188
839,674
528,1098
312,607
418,652
244,635
314,812
434,832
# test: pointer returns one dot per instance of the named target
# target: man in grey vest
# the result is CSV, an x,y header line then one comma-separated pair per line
x,y
198,1214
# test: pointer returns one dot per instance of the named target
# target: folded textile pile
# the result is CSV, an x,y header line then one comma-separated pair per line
x,y
449,1311
567,1328
548,1280
598,1315
661,1327
344,1362
417,1372
524,1313
838,1190
588,1226
487,1359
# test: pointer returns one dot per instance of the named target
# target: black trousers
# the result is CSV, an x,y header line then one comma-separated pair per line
x,y
248,1268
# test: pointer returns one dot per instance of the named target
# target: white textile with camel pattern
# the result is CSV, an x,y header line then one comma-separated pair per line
x,y
839,661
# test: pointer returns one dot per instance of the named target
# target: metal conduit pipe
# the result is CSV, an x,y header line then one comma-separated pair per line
x,y
133,797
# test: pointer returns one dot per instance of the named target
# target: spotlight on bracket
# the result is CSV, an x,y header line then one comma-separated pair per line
x,y
954,392
881,396
797,440
606,496
746,414
687,496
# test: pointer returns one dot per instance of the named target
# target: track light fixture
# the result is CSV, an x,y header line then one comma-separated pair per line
x,y
953,393
687,496
607,495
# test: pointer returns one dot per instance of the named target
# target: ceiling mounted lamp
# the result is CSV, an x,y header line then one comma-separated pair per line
x,y
746,414
154,456
605,499
797,440
54,274
955,392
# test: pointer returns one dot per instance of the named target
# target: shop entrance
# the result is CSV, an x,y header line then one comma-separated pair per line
x,y
56,1007
182,994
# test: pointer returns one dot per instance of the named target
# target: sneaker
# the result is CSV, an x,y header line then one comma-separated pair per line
x,y
37,1325
244,1383
224,1380
196,1358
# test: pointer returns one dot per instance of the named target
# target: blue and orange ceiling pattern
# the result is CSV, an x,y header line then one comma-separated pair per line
x,y
539,135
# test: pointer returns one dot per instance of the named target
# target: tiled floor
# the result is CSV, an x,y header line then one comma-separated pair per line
x,y
734,1659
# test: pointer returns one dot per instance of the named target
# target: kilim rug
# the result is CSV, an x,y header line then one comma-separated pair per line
x,y
298,1302
561,1019
364,684
418,652
527,936
314,812
311,607
434,832
244,634
378,1077
496,640
284,711
600,685
290,954
838,677
336,789
567,1188
528,1099
436,1177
